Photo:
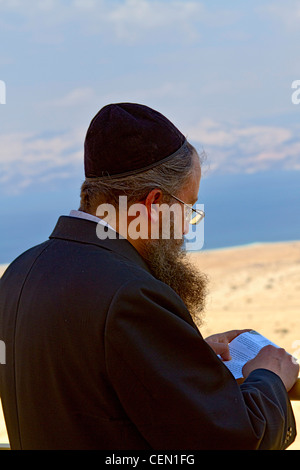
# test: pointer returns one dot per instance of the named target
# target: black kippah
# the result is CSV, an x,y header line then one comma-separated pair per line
x,y
127,138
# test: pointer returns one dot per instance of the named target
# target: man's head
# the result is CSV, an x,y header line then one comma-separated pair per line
x,y
134,152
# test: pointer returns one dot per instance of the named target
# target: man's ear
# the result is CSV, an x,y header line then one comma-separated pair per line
x,y
152,202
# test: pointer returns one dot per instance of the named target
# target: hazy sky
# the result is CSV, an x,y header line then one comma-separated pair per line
x,y
221,71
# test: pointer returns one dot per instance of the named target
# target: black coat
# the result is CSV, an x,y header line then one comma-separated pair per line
x,y
101,355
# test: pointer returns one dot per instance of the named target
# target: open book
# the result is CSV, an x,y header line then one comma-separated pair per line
x,y
243,348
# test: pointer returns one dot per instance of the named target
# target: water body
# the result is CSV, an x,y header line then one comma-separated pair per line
x,y
251,208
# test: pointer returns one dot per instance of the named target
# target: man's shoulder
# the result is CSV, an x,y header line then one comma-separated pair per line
x,y
94,270
23,262
72,255
80,264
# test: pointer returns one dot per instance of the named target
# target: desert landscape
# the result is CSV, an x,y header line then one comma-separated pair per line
x,y
255,286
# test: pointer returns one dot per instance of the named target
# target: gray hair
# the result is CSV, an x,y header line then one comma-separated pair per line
x,y
170,177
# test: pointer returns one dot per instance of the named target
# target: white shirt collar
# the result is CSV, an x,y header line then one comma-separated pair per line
x,y
85,215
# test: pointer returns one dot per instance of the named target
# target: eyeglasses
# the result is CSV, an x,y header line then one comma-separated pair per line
x,y
193,216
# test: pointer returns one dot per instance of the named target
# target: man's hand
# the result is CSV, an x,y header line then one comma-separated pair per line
x,y
278,361
219,342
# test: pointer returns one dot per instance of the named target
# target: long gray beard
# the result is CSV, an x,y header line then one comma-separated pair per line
x,y
169,263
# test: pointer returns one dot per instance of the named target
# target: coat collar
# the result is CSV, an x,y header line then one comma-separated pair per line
x,y
85,231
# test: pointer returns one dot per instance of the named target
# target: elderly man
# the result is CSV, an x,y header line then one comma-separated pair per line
x,y
101,322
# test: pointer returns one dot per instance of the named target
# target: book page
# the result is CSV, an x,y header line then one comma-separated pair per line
x,y
243,348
